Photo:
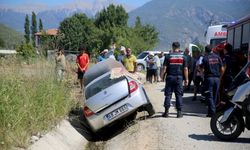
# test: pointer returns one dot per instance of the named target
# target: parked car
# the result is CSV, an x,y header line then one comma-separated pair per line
x,y
141,59
111,94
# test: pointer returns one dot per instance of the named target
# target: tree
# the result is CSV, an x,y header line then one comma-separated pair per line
x,y
27,51
40,25
33,28
145,37
27,29
113,16
78,30
109,26
111,20
2,43
138,22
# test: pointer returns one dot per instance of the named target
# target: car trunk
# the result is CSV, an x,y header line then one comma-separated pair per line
x,y
106,92
106,84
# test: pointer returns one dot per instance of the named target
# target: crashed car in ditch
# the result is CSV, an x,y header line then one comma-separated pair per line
x,y
111,94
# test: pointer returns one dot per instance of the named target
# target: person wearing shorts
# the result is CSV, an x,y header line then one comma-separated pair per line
x,y
82,62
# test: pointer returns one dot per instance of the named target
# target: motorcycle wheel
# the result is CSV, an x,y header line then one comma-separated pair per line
x,y
229,130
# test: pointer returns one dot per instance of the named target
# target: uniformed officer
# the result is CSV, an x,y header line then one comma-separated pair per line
x,y
213,70
227,76
173,66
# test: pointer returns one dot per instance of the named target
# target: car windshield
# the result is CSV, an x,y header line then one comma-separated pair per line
x,y
142,55
215,42
101,84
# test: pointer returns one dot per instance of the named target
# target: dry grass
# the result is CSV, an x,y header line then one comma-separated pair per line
x,y
31,101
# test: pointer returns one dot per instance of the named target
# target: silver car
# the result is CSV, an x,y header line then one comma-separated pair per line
x,y
112,94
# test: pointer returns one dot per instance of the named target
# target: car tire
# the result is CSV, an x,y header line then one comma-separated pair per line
x,y
131,117
140,67
149,108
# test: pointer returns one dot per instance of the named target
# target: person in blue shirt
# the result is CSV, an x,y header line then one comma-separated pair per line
x,y
174,65
111,51
213,70
190,67
102,56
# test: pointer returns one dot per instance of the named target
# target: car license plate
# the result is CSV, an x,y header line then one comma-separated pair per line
x,y
117,112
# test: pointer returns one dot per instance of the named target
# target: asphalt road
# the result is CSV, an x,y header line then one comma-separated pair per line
x,y
192,132
157,133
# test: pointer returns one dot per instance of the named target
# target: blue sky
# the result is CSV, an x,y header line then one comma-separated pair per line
x,y
134,3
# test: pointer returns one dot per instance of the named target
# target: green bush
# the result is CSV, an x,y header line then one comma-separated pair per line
x,y
31,101
26,50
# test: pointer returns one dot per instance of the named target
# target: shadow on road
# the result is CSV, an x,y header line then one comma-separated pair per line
x,y
194,108
211,137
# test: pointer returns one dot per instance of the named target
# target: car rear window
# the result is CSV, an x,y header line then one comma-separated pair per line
x,y
101,84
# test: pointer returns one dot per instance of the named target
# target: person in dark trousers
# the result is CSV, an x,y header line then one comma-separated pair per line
x,y
213,70
227,77
190,67
227,63
174,65
198,74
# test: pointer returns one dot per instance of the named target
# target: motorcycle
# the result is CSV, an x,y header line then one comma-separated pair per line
x,y
228,123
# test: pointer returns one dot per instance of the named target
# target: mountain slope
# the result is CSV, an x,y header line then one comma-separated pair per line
x,y
187,20
50,18
12,19
10,37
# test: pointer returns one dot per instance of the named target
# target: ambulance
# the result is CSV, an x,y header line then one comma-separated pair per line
x,y
216,34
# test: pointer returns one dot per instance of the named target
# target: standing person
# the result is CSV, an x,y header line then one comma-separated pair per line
x,y
162,58
122,54
227,77
130,61
152,67
111,54
60,64
213,70
190,67
82,62
111,51
102,55
174,65
198,73
158,63
227,61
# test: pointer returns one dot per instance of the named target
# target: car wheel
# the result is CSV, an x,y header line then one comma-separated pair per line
x,y
140,67
131,117
149,108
